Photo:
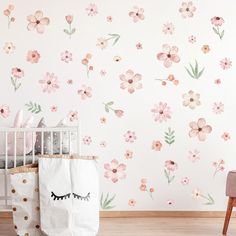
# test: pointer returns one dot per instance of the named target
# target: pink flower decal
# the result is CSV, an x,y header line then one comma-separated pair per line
x,y
225,136
192,39
161,112
194,155
85,62
199,129
70,31
4,111
217,22
132,202
143,188
130,136
92,9
115,171
156,145
168,28
137,14
139,46
218,108
38,22
225,63
87,140
129,154
49,83
130,81
170,166
33,56
187,9
17,74
185,181
85,92
73,115
219,166
66,56
7,12
169,55
54,108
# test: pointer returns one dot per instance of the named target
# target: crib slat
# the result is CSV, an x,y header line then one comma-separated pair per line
x,y
69,142
15,148
51,137
33,154
60,142
42,142
24,147
6,150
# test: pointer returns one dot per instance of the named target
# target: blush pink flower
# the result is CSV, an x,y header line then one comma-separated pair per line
x,y
217,21
130,81
130,136
199,129
169,55
187,9
87,140
53,108
192,39
217,81
85,92
17,72
66,56
70,81
218,107
225,63
171,165
103,72
185,181
156,145
4,111
73,115
129,154
194,155
132,202
137,14
168,28
37,21
33,56
115,171
103,120
92,9
139,46
161,112
103,144
225,136
119,113
170,202
49,83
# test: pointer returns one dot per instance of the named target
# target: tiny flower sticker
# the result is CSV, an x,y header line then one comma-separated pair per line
x,y
17,74
85,92
218,21
218,107
108,107
50,83
70,30
4,111
85,61
9,48
168,55
156,145
143,188
225,63
115,171
130,81
137,14
73,115
185,181
191,99
168,28
38,22
187,9
7,12
170,166
66,56
199,129
218,166
161,112
87,140
225,136
92,9
205,48
194,155
131,202
33,56
192,39
129,154
130,136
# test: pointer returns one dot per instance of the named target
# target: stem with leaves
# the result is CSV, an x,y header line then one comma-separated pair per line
x,y
168,176
106,203
194,71
170,136
15,84
209,198
217,31
33,107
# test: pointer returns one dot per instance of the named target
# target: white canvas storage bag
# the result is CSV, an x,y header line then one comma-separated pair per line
x,y
25,200
69,195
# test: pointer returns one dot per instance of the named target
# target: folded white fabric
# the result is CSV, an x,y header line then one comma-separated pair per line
x,y
25,200
69,195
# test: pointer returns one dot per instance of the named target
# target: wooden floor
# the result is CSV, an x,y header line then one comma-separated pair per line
x,y
150,227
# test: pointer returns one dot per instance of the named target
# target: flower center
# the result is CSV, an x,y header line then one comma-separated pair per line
x,y
187,9
33,55
137,14
18,70
2,110
37,22
168,55
191,99
161,112
217,18
130,81
199,129
49,82
172,163
114,170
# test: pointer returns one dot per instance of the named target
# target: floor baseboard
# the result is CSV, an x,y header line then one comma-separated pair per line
x,y
144,214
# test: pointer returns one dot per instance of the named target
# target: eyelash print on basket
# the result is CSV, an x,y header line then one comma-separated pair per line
x,y
55,197
86,198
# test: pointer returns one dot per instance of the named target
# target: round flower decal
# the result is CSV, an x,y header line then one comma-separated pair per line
x,y
4,111
33,56
191,99
161,112
187,9
137,14
50,83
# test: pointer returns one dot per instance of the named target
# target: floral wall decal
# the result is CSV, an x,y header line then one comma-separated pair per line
x,y
152,84
197,194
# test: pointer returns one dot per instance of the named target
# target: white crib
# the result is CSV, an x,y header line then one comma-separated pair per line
x,y
7,162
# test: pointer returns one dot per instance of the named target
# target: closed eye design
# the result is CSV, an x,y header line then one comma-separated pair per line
x,y
82,198
55,197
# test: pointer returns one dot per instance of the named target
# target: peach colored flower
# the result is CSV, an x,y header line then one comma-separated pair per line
x,y
217,81
187,9
4,111
102,43
225,136
130,81
33,56
17,72
137,14
171,165
168,28
69,81
130,136
143,187
218,107
50,83
85,92
9,47
69,19
66,56
103,120
205,49
217,21
87,140
37,21
169,55
143,181
151,190
161,112
7,12
132,202
129,154
194,155
92,9
225,63
156,145
73,115
199,129
109,18
115,171
191,99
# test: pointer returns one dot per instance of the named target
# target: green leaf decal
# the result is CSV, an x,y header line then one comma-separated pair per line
x,y
106,203
170,136
194,71
33,107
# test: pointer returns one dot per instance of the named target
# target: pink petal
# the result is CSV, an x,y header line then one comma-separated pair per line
x,y
129,73
201,122
131,90
114,179
31,19
161,56
207,129
31,26
121,175
173,50
175,58
114,164
108,174
38,15
167,62
166,48
40,28
193,133
193,125
137,77
44,21
122,77
201,136
121,167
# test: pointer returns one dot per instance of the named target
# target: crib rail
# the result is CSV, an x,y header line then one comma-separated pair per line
x,y
18,137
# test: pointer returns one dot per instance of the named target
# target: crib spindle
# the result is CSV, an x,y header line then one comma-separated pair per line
x,y
33,151
15,143
42,142
24,143
60,144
